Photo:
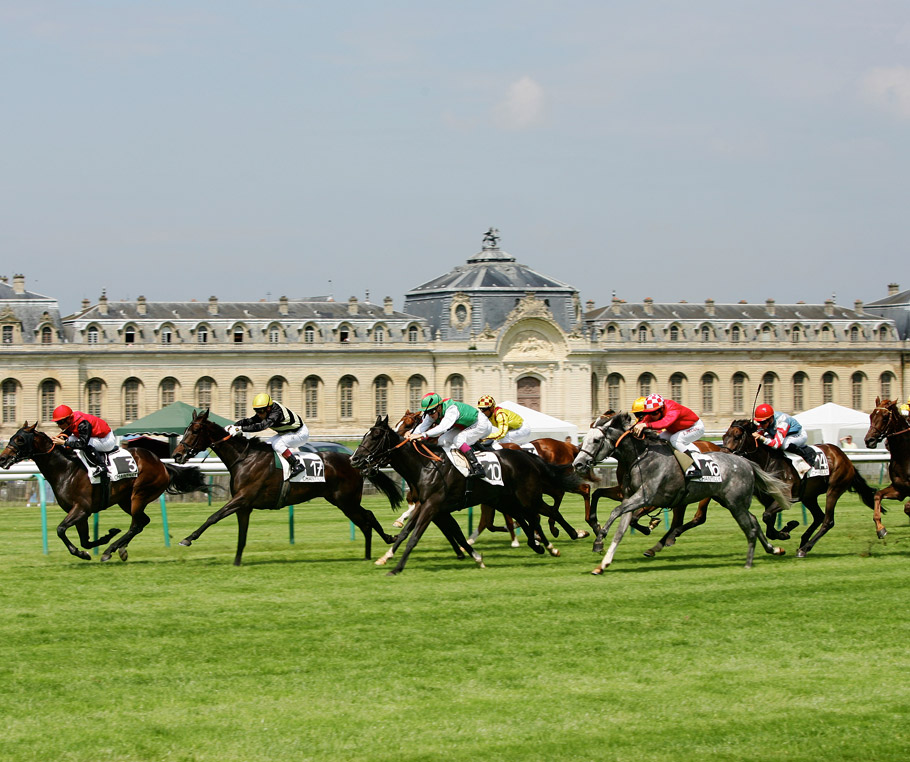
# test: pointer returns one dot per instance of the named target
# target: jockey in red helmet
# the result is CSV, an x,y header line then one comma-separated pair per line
x,y
779,430
85,432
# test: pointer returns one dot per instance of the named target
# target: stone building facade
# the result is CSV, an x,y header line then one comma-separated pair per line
x,y
489,326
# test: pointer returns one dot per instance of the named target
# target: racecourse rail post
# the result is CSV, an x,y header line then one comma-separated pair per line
x,y
42,495
167,533
95,533
291,524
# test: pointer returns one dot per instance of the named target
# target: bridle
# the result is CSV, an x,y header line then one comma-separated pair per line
x,y
30,441
377,458
193,447
890,416
744,439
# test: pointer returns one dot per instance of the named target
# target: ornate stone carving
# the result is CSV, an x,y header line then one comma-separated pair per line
x,y
530,306
460,311
530,345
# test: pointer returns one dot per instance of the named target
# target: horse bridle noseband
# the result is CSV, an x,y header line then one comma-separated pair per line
x,y
891,417
20,456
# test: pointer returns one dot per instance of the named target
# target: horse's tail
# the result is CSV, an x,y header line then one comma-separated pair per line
x,y
861,487
185,479
771,485
386,485
564,477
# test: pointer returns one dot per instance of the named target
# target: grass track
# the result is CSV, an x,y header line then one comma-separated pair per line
x,y
309,652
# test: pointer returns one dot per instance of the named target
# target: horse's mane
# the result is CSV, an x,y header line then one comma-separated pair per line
x,y
742,423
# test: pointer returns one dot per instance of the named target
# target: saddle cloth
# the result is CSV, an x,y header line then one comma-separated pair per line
x,y
120,465
527,447
313,467
803,468
710,471
492,469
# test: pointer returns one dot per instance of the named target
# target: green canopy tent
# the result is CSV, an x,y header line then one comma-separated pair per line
x,y
170,421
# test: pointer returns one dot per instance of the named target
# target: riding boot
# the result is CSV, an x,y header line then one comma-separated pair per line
x,y
476,468
805,452
296,465
695,472
97,459
484,444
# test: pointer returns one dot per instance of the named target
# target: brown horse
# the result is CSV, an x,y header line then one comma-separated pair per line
x,y
80,498
842,476
256,482
886,422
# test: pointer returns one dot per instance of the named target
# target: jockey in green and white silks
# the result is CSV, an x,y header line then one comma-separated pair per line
x,y
457,424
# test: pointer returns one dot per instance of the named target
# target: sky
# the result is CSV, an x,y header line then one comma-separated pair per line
x,y
672,150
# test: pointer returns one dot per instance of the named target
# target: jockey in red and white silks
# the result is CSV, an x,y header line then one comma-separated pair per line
x,y
676,423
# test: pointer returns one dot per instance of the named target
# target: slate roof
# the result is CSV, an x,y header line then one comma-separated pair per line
x,y
29,308
726,313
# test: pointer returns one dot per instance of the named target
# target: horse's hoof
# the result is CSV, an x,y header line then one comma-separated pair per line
x,y
113,532
515,543
598,548
83,555
482,565
186,543
538,548
800,553
782,536
554,531
398,524
597,571
581,534
649,553
790,526
553,551
392,573
653,523
881,533
381,561
779,552
105,557
123,553
470,540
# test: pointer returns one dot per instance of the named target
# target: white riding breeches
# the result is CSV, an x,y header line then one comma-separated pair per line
x,y
680,439
455,438
517,436
795,439
103,444
289,439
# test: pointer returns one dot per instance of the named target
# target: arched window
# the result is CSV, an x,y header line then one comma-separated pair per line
x,y
614,392
205,392
796,334
276,388
92,335
346,398
94,391
311,396
735,334
168,391
854,333
412,334
706,333
646,384
611,333
130,399
707,393
826,333
9,388
768,388
379,335
129,334
202,334
240,390
642,333
417,386
676,386
309,335
767,335
381,395
674,333
48,394
886,384
883,333
238,333
856,388
799,391
828,387
739,392
167,334
47,335
456,387
274,334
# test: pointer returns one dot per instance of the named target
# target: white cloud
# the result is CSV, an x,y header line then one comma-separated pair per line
x,y
522,107
889,88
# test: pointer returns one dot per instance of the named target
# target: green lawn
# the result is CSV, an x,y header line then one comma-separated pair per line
x,y
309,652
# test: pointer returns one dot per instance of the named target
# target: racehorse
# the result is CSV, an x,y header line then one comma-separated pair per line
x,y
440,488
842,476
80,498
653,477
886,422
256,482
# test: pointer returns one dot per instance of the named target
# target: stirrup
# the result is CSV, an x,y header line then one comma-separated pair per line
x,y
296,467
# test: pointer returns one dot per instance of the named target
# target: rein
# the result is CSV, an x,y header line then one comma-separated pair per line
x,y
891,417
421,449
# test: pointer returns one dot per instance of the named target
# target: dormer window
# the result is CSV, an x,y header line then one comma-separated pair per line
x,y
674,333
238,335
7,334
735,335
854,333
344,335
309,335
47,335
92,335
274,335
167,335
412,334
129,335
705,333
202,334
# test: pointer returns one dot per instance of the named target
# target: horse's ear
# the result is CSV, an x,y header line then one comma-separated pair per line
x,y
194,414
204,414
386,420
25,425
878,402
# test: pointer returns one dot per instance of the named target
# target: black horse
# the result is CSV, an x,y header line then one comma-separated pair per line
x,y
80,498
842,476
256,483
441,488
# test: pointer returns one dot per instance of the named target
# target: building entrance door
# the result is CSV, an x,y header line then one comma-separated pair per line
x,y
529,393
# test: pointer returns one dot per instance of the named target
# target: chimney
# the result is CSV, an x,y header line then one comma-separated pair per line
x,y
18,284
4,280
141,307
616,305
649,306
829,306
589,305
388,306
86,304
858,306
283,306
769,307
709,306
213,305
352,305
893,288
102,304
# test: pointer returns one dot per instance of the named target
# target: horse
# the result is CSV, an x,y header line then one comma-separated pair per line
x,y
842,476
886,422
80,498
653,477
440,488
256,482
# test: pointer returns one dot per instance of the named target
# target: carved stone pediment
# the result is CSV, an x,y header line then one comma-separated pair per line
x,y
529,346
528,307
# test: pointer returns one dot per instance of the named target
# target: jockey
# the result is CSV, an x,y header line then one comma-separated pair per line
x,y
782,431
677,424
457,424
290,429
85,432
508,425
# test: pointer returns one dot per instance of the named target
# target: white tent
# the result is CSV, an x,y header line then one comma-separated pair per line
x,y
829,422
543,425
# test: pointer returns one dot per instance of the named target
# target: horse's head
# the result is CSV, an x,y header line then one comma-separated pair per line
x,y
738,438
373,451
23,444
884,420
601,439
199,436
408,421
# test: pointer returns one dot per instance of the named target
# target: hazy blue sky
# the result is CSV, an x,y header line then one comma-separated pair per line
x,y
678,150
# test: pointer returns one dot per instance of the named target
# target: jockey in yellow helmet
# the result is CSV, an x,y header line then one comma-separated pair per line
x,y
290,429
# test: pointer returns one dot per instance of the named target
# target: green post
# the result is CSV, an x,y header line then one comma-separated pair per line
x,y
95,522
291,524
353,535
667,518
42,495
167,533
803,505
211,486
470,520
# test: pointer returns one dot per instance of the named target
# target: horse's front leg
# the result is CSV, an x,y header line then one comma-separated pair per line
x,y
621,530
633,503
84,539
452,531
231,506
888,493
76,514
423,518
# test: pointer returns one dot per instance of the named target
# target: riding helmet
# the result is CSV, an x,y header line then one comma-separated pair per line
x,y
653,403
639,405
486,401
763,412
430,401
62,412
261,400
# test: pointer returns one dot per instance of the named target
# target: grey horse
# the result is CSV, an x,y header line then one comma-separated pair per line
x,y
653,477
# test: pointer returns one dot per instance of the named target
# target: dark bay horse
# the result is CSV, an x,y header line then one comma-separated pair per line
x,y
842,476
256,483
80,498
440,488
653,477
886,422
